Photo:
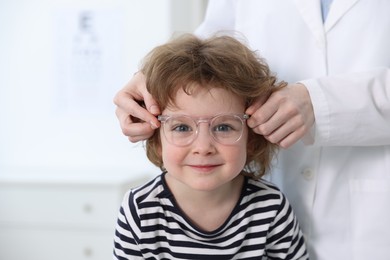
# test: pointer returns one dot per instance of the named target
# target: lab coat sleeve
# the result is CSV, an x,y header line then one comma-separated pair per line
x,y
220,16
351,109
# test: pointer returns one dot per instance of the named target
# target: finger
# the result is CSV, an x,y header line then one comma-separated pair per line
x,y
150,104
132,108
138,132
292,138
282,122
135,131
291,127
255,105
262,115
265,123
134,98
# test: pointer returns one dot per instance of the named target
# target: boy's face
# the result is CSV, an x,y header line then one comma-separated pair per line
x,y
204,164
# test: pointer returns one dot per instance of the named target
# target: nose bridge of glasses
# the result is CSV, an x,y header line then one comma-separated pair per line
x,y
199,121
200,135
202,120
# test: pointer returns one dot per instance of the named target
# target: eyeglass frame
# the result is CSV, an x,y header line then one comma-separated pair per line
x,y
243,117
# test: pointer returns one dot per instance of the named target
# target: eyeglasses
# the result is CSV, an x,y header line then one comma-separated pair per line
x,y
181,130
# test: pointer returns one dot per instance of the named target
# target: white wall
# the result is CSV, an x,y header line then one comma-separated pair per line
x,y
58,129
56,110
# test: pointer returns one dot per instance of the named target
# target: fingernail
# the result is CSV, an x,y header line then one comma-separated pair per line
x,y
153,125
154,110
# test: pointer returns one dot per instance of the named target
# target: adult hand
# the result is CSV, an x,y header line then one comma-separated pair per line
x,y
285,117
136,109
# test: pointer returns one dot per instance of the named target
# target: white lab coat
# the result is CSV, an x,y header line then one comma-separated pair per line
x,y
340,185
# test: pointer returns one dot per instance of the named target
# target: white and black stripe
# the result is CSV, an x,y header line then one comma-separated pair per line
x,y
262,226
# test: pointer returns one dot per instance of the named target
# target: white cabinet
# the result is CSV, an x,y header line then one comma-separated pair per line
x,y
60,216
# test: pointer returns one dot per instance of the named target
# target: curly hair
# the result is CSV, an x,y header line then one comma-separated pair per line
x,y
219,61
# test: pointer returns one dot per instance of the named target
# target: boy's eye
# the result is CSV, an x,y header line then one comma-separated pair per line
x,y
181,128
222,128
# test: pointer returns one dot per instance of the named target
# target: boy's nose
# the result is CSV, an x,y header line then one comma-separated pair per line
x,y
204,143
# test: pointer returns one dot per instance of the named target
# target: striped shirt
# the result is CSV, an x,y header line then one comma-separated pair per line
x,y
261,226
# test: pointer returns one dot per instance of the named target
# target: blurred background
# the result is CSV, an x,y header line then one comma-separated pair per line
x,y
64,162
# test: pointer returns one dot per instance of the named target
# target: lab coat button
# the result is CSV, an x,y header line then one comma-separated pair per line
x,y
308,174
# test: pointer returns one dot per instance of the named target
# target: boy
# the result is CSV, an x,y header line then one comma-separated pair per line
x,y
209,202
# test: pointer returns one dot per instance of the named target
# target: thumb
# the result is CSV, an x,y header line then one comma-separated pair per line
x,y
151,104
255,105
